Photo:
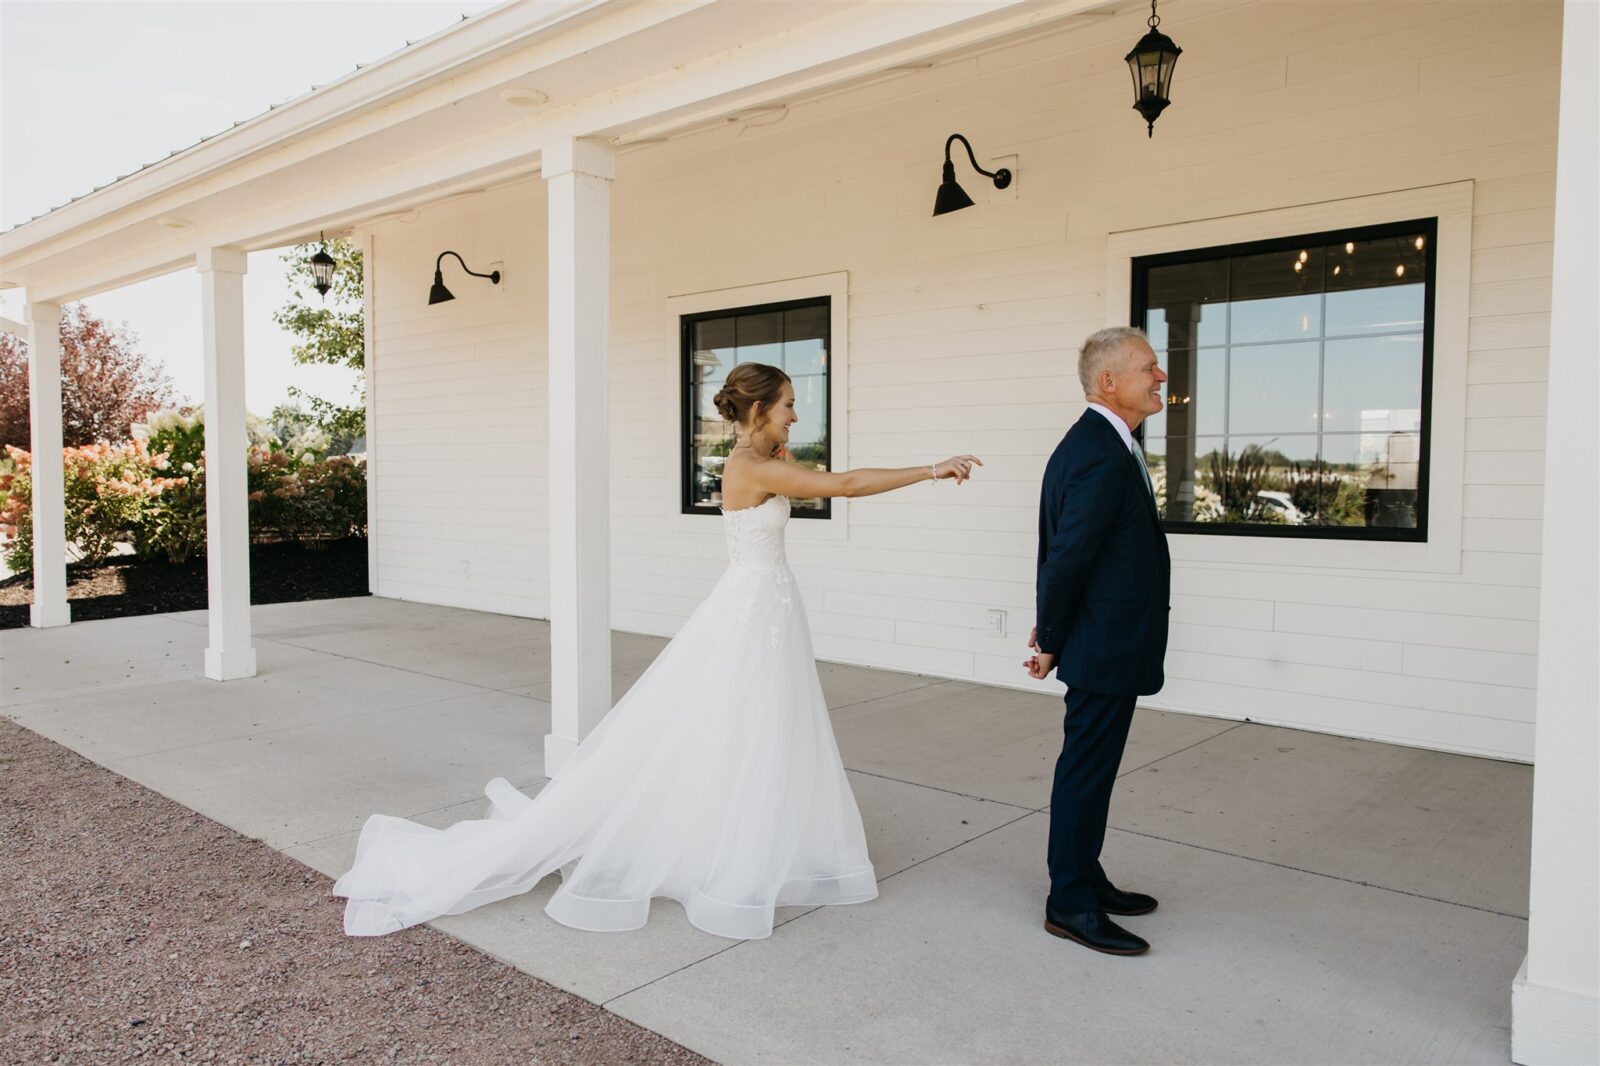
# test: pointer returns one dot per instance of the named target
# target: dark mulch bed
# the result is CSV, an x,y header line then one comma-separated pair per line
x,y
279,573
132,928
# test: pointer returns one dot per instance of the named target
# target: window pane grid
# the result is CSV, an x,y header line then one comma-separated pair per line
x,y
1354,464
793,337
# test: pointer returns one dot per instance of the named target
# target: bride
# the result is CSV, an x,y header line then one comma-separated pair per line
x,y
714,781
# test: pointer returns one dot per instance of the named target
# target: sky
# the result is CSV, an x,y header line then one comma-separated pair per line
x,y
89,91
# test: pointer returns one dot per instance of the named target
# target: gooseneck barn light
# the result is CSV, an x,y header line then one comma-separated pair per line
x,y
953,197
439,294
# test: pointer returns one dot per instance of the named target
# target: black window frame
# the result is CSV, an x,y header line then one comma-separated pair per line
x,y
686,385
1429,229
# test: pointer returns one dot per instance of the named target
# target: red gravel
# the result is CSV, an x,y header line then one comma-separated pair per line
x,y
132,928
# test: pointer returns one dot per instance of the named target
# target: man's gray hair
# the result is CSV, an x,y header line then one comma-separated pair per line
x,y
1102,351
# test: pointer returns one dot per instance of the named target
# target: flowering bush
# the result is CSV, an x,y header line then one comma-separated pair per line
x,y
16,484
152,489
181,435
106,488
174,521
303,498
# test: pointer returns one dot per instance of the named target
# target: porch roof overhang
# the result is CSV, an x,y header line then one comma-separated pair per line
x,y
429,121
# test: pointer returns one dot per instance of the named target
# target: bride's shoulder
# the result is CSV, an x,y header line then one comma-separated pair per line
x,y
743,479
744,463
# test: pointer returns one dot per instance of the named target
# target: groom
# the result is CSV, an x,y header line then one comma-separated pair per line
x,y
1103,583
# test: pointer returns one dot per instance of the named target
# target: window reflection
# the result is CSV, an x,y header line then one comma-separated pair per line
x,y
1272,388
1373,378
793,338
1296,372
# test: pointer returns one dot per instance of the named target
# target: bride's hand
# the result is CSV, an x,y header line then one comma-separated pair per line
x,y
958,467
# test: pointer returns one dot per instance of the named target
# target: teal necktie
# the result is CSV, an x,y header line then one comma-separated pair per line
x,y
1138,455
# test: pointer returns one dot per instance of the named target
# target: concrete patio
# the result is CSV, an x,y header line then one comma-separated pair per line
x,y
1323,899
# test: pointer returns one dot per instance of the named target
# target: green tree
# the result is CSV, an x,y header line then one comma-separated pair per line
x,y
331,332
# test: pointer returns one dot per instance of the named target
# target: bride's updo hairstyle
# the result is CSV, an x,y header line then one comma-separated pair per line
x,y
747,385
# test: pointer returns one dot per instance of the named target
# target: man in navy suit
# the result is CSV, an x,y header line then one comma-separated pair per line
x,y
1102,601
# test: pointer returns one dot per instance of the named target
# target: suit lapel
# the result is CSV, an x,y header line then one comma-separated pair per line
x,y
1132,463
1147,490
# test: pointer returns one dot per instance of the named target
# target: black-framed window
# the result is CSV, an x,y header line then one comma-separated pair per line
x,y
1299,380
793,336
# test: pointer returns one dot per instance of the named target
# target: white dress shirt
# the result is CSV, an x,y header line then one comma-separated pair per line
x,y
1116,423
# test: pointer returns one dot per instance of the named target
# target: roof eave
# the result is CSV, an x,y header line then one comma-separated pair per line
x,y
370,86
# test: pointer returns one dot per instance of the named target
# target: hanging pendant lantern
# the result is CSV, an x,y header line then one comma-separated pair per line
x,y
322,268
1151,63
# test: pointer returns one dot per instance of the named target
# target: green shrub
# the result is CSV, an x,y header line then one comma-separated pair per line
x,y
107,487
306,499
174,522
153,490
16,518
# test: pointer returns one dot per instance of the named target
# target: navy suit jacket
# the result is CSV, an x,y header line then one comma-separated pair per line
x,y
1105,577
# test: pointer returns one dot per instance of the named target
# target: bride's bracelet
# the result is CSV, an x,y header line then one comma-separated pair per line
x,y
933,473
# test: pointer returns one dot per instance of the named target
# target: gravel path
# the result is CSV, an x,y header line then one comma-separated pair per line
x,y
133,928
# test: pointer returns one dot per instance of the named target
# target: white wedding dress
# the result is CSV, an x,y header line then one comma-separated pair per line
x,y
715,781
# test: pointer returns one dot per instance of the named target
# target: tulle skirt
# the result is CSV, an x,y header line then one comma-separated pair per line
x,y
714,781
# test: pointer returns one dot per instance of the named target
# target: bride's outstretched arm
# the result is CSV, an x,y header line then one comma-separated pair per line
x,y
789,479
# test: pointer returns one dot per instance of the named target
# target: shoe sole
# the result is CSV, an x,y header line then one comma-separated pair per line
x,y
1130,914
1055,930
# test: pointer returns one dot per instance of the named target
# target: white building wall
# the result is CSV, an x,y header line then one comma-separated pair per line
x,y
961,339
458,448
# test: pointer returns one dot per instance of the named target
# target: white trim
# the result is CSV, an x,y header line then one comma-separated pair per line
x,y
49,607
836,287
659,80
578,202
366,89
1551,1025
230,650
369,371
1555,1001
1452,205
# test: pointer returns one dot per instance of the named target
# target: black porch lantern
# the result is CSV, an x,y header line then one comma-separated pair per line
x,y
953,197
322,268
439,294
1151,62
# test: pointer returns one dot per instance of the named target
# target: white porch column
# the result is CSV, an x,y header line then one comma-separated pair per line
x,y
1555,1002
229,653
49,498
578,174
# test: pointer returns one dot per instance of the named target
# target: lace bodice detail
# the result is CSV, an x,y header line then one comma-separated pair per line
x,y
755,534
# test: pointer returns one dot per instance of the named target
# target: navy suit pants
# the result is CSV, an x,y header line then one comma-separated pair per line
x,y
1096,731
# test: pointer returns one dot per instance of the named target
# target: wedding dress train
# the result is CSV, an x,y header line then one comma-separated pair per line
x,y
714,781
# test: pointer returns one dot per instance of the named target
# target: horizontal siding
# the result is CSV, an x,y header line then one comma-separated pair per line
x,y
962,334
